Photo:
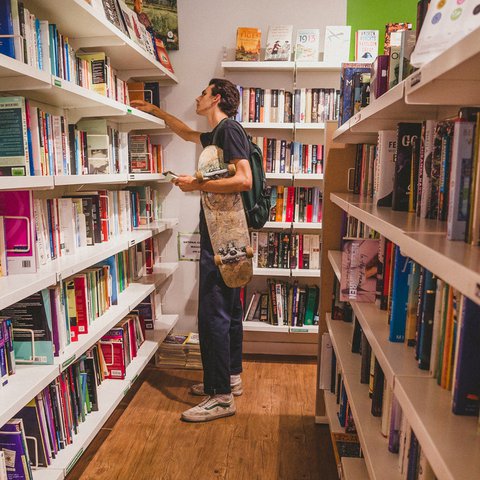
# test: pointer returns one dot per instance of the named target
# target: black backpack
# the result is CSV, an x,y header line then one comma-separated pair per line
x,y
256,201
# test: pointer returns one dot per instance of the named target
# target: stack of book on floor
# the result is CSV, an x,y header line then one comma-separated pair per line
x,y
179,350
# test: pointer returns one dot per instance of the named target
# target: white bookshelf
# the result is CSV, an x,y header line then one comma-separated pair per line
x,y
161,328
378,459
308,227
309,126
26,183
100,179
267,126
306,273
318,67
278,225
308,179
272,66
304,329
88,28
253,326
279,178
354,469
331,409
160,273
271,272
110,394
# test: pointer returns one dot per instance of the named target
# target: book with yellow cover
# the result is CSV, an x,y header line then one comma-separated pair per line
x,y
248,44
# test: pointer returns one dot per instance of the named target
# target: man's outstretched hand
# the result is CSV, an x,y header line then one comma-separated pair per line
x,y
147,107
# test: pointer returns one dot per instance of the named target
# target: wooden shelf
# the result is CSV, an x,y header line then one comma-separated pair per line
x,y
331,408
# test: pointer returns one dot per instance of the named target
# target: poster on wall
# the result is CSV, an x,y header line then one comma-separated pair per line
x,y
189,247
161,16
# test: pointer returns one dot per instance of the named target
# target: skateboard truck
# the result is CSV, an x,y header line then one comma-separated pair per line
x,y
230,170
232,254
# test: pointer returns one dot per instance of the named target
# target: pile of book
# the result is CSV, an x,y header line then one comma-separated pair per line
x,y
180,350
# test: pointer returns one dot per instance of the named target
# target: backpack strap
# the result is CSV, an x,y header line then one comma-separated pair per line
x,y
217,129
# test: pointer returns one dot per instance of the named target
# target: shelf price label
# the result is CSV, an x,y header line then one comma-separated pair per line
x,y
58,83
129,111
67,362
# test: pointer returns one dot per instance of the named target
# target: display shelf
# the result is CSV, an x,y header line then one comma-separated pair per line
x,y
267,126
307,179
423,240
127,301
27,381
88,28
354,469
451,442
309,126
331,409
264,327
304,329
306,273
162,327
26,183
14,288
335,258
160,273
277,225
318,67
48,474
378,459
312,226
396,359
87,256
110,393
22,75
103,179
279,177
269,66
452,78
155,227
271,272
146,177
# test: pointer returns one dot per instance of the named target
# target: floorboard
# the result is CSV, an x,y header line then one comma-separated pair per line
x,y
272,436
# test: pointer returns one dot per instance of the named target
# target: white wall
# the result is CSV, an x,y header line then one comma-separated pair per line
x,y
206,29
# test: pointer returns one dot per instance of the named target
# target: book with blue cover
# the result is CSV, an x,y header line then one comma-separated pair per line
x,y
7,44
346,87
466,390
398,312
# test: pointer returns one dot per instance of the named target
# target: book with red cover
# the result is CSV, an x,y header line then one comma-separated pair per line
x,y
81,303
112,345
162,54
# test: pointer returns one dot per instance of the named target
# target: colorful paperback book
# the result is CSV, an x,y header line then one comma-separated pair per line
x,y
359,270
7,40
248,44
307,45
14,446
279,42
16,207
337,44
384,169
366,45
14,153
32,323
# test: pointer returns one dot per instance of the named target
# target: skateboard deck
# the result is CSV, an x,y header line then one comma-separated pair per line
x,y
226,223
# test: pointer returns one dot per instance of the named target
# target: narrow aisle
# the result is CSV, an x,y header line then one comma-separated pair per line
x,y
272,436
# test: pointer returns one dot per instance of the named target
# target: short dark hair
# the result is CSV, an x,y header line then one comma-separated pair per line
x,y
230,98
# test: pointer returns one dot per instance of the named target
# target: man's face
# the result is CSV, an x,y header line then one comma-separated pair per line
x,y
205,101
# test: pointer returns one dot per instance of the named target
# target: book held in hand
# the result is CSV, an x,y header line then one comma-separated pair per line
x,y
279,43
248,44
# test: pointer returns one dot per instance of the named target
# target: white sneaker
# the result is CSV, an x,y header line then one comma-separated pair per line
x,y
236,386
210,409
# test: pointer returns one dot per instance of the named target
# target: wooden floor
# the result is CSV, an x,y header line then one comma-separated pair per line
x,y
271,437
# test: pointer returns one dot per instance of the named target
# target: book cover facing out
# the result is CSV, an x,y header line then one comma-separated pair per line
x,y
359,270
248,44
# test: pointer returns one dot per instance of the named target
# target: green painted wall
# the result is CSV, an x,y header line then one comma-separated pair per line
x,y
375,14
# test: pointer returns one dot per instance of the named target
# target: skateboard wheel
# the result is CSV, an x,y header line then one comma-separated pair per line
x,y
232,169
218,260
199,176
249,252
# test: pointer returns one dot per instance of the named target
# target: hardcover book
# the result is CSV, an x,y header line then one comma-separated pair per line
x,y
379,77
248,44
366,45
279,42
408,146
359,270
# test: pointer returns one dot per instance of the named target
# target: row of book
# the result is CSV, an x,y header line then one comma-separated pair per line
x,y
429,168
362,83
412,462
295,204
284,156
37,142
284,303
304,105
35,232
439,323
286,250
279,44
38,43
50,421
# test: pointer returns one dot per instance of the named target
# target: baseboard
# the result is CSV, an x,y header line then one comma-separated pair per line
x,y
321,420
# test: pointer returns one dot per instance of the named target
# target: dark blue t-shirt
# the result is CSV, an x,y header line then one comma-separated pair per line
x,y
231,139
